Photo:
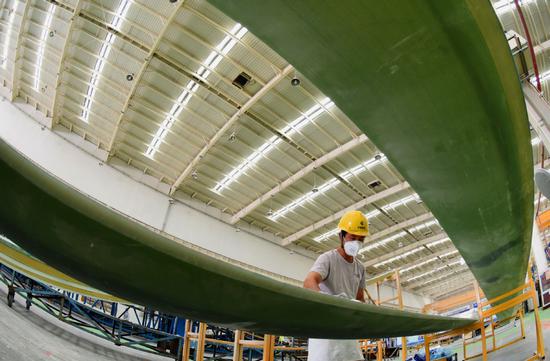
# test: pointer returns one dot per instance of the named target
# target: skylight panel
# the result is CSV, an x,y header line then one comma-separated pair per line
x,y
426,273
385,241
211,62
42,46
7,36
461,261
409,253
449,254
401,202
333,182
428,261
308,197
504,6
417,265
123,8
401,256
382,242
542,77
308,117
371,214
102,58
436,243
421,227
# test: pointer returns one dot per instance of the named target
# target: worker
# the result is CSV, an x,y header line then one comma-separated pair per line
x,y
338,272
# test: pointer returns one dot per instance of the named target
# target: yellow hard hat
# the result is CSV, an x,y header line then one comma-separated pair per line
x,y
354,222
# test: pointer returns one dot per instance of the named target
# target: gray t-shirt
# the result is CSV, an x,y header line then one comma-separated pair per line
x,y
338,275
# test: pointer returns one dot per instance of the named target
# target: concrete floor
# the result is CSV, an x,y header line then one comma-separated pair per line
x,y
516,352
35,335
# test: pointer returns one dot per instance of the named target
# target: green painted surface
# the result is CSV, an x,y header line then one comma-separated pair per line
x,y
110,252
19,260
433,84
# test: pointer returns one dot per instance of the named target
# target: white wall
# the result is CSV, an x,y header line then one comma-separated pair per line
x,y
80,164
410,300
107,184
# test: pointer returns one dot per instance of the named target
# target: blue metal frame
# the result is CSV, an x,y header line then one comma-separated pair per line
x,y
154,332
148,335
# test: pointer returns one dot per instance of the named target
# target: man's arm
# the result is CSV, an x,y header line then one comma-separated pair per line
x,y
360,295
312,281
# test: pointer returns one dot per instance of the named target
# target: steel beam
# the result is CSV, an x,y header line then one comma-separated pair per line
x,y
139,75
542,47
538,111
449,286
60,68
296,176
410,247
422,259
18,58
451,272
234,118
396,227
453,289
334,217
456,278
441,265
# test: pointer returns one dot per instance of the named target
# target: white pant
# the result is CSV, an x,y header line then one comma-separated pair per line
x,y
333,350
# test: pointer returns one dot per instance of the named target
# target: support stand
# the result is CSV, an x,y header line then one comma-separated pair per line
x,y
507,301
267,345
396,301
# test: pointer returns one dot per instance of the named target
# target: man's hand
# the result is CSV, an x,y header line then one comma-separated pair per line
x,y
312,281
360,295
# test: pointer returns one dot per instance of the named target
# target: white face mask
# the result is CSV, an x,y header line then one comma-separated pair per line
x,y
352,247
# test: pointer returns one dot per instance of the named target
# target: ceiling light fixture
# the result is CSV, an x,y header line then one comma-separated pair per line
x,y
504,6
104,52
308,117
542,77
382,242
211,62
370,215
395,258
42,46
407,269
386,240
348,174
433,271
7,36
437,243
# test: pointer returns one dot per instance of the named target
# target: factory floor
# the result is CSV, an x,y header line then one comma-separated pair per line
x,y
516,352
35,335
